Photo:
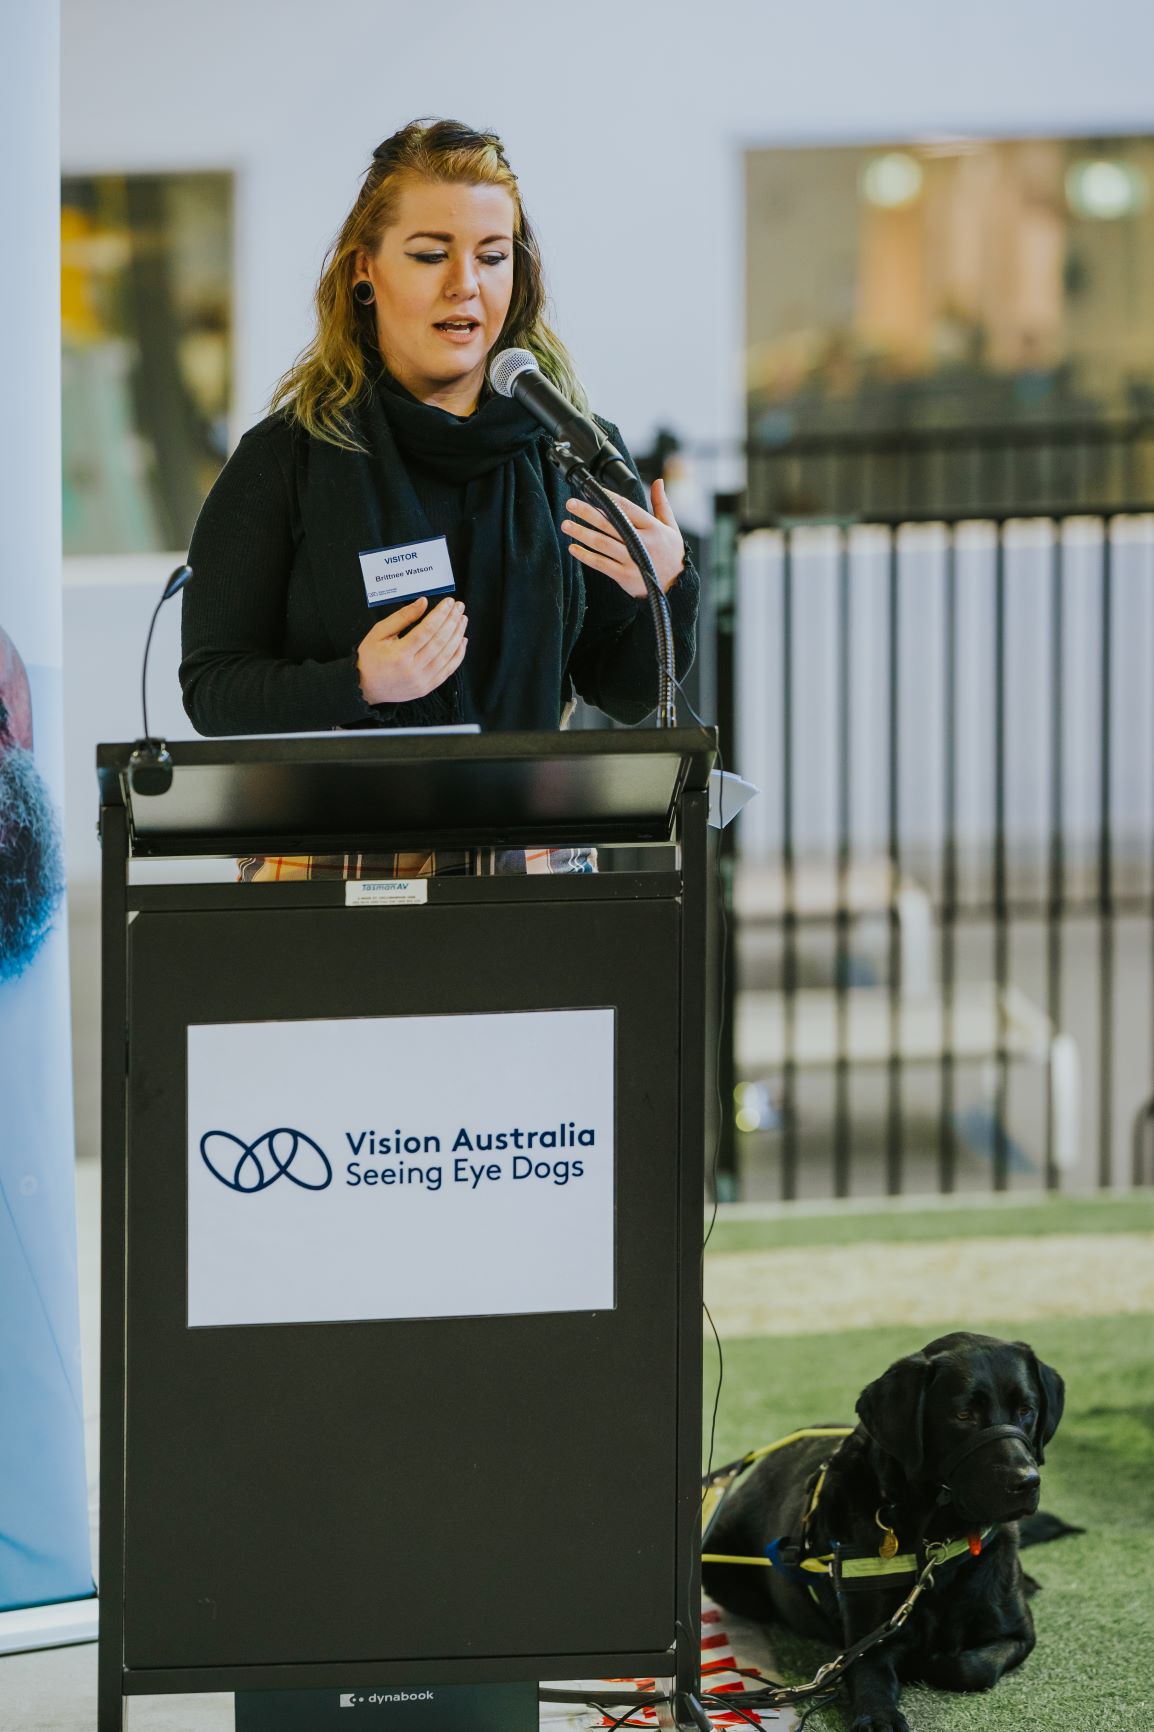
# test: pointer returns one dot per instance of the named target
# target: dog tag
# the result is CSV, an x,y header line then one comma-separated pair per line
x,y
889,1546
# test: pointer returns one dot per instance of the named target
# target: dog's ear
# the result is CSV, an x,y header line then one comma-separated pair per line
x,y
1051,1400
893,1407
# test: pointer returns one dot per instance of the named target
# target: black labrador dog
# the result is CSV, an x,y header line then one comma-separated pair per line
x,y
947,1450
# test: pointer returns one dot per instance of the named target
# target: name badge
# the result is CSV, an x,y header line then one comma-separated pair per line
x,y
400,573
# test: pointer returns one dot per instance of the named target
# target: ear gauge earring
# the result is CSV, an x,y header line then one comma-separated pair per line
x,y
364,293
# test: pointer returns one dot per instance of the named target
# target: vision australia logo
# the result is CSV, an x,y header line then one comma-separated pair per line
x,y
279,1154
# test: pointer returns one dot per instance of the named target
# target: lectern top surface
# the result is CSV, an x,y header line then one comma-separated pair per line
x,y
344,791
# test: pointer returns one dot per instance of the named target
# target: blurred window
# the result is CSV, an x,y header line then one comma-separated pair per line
x,y
146,306
946,283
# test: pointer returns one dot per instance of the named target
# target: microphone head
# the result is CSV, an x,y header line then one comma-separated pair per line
x,y
508,365
150,768
177,581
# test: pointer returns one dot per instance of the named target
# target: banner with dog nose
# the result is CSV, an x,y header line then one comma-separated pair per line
x,y
402,1166
44,1547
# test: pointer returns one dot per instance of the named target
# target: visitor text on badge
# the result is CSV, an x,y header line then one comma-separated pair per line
x,y
400,573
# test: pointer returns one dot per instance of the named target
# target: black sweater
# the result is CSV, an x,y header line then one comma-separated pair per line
x,y
270,639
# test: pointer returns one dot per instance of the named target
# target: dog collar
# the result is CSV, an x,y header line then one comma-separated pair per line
x,y
856,1567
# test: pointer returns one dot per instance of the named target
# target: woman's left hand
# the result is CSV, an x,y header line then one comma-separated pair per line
x,y
596,543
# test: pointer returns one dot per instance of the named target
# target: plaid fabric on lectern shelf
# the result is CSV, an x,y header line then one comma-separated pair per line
x,y
444,862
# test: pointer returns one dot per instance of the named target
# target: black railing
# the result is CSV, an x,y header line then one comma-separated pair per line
x,y
953,723
1092,465
1059,467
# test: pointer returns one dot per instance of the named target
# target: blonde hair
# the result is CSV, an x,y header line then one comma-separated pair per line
x,y
330,376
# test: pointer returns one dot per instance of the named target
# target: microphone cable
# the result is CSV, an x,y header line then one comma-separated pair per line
x,y
715,1159
609,1698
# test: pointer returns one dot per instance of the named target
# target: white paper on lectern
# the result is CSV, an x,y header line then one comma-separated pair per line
x,y
728,794
360,733
534,1232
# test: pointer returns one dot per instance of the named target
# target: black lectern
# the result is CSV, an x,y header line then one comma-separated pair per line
x,y
401,1365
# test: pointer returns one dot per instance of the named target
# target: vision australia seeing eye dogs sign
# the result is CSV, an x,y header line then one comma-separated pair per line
x,y
386,1167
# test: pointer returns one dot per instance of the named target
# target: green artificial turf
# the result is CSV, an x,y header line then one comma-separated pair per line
x,y
1000,1220
1093,1667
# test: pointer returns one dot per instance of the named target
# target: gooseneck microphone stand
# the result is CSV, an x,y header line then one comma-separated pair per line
x,y
583,481
150,767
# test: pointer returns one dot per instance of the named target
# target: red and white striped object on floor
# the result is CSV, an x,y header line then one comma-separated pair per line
x,y
724,1666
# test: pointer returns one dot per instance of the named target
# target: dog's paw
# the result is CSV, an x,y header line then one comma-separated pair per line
x,y
881,1720
970,1670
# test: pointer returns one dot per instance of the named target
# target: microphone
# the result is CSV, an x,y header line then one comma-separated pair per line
x,y
515,373
591,465
150,766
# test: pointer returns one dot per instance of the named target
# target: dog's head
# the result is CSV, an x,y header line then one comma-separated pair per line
x,y
933,1414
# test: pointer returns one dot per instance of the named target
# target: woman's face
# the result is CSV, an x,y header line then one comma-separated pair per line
x,y
443,279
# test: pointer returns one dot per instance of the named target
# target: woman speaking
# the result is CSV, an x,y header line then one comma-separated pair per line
x,y
384,438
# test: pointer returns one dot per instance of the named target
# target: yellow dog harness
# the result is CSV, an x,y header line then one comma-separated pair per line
x,y
887,1563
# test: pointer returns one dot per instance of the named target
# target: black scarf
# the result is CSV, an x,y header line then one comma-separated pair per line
x,y
510,565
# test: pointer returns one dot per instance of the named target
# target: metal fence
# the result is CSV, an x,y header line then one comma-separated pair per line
x,y
941,961
961,471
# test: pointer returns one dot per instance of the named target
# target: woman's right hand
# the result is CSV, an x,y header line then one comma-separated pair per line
x,y
406,656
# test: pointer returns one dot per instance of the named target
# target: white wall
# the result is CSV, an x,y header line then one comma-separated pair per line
x,y
30,423
625,120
